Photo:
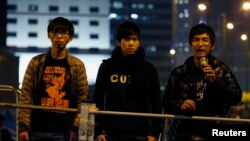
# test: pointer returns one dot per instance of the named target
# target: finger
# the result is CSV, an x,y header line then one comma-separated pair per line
x,y
191,104
187,106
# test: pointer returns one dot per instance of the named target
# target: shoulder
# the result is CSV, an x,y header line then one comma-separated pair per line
x,y
107,62
179,70
39,57
149,65
73,60
149,68
218,64
36,60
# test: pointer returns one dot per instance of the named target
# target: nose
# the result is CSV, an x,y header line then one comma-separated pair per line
x,y
131,42
200,42
59,34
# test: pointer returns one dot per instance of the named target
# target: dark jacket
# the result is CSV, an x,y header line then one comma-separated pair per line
x,y
5,135
218,96
128,84
31,88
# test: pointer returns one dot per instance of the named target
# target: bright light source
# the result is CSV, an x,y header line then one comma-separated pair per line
x,y
134,16
202,7
246,6
172,51
112,15
243,37
230,26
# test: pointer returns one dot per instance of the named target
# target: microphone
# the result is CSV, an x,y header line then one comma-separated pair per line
x,y
203,61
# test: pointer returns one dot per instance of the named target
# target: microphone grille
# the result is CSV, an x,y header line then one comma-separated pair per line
x,y
203,61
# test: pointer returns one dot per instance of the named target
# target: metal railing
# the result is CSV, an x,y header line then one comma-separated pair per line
x,y
8,88
88,112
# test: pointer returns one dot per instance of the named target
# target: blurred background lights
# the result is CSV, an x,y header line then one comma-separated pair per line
x,y
112,15
246,5
243,37
134,16
202,7
172,51
230,25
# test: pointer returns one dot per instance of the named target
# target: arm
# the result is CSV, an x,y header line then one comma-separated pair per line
x,y
227,84
156,106
25,97
99,94
81,91
171,102
27,90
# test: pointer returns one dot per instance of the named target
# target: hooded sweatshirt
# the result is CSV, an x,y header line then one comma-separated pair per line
x,y
128,84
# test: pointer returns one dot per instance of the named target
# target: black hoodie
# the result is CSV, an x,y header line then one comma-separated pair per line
x,y
129,84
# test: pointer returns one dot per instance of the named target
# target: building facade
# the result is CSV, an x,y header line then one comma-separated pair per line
x,y
27,22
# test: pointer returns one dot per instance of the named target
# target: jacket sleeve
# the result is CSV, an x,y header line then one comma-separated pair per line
x,y
227,84
81,91
171,100
25,97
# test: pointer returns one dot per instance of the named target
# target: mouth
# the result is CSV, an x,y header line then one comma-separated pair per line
x,y
59,42
200,50
131,49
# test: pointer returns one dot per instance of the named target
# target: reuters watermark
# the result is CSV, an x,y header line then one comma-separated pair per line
x,y
228,133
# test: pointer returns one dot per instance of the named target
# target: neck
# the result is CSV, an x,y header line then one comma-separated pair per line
x,y
197,63
58,54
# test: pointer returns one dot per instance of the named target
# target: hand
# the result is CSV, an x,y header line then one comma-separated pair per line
x,y
101,137
188,105
24,136
209,72
151,138
72,136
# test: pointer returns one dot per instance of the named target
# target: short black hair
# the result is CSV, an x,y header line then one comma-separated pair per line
x,y
127,28
200,29
60,24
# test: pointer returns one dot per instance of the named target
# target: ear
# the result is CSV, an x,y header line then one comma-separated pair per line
x,y
118,43
212,48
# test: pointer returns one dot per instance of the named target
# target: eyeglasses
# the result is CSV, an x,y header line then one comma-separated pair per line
x,y
63,34
205,41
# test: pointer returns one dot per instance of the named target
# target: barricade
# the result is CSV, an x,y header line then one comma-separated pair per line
x,y
12,90
89,110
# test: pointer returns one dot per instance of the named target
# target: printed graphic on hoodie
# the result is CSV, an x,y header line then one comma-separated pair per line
x,y
54,78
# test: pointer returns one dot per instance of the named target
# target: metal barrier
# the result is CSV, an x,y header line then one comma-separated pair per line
x,y
8,88
89,110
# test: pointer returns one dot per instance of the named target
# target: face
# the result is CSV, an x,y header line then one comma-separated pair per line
x,y
129,45
59,40
201,45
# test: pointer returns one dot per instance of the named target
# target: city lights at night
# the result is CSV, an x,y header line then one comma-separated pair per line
x,y
165,38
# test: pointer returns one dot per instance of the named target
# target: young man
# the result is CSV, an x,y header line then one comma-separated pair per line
x,y
127,82
54,79
202,86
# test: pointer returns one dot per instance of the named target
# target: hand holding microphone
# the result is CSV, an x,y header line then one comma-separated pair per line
x,y
207,69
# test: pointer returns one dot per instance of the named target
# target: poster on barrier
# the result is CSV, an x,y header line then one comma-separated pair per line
x,y
86,127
